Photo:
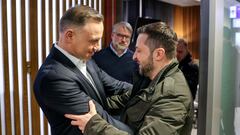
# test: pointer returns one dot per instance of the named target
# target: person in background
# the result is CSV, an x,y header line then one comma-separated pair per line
x,y
160,103
116,59
68,78
188,66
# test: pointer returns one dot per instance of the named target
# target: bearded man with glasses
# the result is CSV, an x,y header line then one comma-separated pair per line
x,y
116,59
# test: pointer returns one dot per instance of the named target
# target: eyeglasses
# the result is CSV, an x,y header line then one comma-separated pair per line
x,y
123,36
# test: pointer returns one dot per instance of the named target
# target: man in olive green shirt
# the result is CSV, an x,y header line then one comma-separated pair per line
x,y
164,107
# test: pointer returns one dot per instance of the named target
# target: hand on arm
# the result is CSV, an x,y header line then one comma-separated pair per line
x,y
118,101
82,120
98,125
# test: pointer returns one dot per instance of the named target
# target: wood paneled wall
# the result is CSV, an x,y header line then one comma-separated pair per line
x,y
28,30
187,26
6,94
110,18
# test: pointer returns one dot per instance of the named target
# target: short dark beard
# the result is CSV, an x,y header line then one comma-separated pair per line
x,y
147,68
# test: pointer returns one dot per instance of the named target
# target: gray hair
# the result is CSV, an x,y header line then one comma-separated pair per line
x,y
122,24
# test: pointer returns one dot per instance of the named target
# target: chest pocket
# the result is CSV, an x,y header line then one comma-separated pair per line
x,y
136,112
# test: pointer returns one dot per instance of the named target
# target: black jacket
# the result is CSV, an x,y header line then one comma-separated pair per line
x,y
191,73
61,88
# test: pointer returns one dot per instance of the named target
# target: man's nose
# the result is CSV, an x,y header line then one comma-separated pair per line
x,y
124,38
96,47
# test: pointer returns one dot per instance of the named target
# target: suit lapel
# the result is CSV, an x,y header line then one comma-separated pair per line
x,y
89,89
91,70
60,57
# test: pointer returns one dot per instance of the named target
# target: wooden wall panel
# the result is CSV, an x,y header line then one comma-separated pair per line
x,y
70,4
45,122
109,20
64,6
29,65
44,55
34,66
92,3
196,32
98,5
81,2
50,23
178,21
76,2
43,31
57,19
24,70
15,70
187,26
6,70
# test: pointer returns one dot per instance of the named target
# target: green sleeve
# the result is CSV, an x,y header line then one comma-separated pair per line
x,y
118,101
98,126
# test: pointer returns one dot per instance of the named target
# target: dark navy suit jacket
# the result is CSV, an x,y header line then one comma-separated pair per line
x,y
61,88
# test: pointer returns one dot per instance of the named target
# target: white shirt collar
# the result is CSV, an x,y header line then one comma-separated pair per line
x,y
80,64
111,47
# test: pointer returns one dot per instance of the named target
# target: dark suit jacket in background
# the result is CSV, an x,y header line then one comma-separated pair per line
x,y
191,73
61,88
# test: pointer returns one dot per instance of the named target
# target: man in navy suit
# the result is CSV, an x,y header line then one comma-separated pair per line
x,y
68,79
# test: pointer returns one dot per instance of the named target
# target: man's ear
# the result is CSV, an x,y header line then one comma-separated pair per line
x,y
68,34
158,53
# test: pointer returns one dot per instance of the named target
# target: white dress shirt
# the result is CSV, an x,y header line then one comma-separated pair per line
x,y
80,64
